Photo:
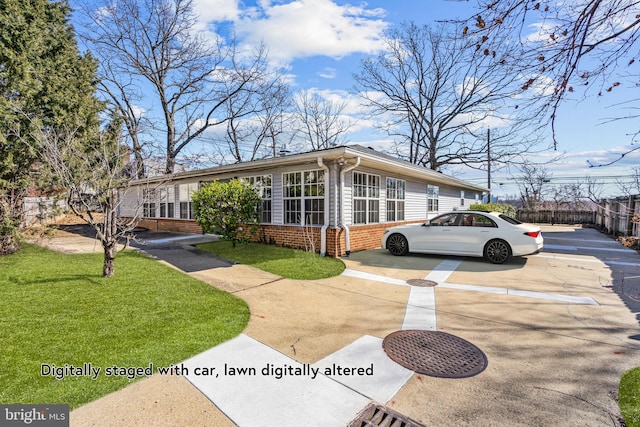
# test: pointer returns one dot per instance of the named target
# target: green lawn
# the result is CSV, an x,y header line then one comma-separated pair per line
x,y
629,397
57,309
284,262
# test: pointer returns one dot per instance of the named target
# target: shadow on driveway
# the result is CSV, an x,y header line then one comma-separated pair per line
x,y
176,249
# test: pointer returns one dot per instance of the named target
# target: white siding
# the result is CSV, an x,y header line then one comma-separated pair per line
x,y
449,199
415,207
415,196
130,202
415,193
277,206
346,200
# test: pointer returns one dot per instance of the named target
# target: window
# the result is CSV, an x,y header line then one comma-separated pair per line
x,y
433,192
510,220
313,197
462,198
446,220
184,196
476,220
303,194
263,185
366,198
395,199
149,203
167,202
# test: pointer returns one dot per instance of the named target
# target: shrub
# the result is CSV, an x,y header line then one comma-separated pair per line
x,y
226,208
497,207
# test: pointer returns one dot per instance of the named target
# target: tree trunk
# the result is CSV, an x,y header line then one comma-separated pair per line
x,y
10,217
108,267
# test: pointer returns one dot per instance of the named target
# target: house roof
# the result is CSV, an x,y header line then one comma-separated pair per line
x,y
349,153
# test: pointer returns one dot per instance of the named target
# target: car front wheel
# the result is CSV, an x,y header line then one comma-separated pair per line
x,y
397,244
497,251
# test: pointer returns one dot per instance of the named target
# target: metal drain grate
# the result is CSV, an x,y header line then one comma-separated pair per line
x,y
422,282
434,353
379,416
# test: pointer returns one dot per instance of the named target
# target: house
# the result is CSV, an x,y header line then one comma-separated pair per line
x,y
336,200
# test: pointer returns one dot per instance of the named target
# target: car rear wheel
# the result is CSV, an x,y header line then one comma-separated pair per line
x,y
397,244
497,251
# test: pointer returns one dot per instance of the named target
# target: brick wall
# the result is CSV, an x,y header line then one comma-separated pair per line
x,y
362,237
290,236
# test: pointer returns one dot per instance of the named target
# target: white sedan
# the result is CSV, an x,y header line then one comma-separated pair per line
x,y
492,235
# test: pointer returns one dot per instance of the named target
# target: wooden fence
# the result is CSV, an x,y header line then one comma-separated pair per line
x,y
557,217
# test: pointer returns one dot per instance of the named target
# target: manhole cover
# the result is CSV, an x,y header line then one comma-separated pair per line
x,y
422,283
434,353
377,415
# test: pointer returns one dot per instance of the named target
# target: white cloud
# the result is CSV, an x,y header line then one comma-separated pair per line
x,y
211,11
328,73
352,103
541,33
138,111
304,28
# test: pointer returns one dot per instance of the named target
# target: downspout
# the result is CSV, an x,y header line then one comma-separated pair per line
x,y
323,230
342,224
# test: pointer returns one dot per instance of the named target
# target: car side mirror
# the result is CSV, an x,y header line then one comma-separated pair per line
x,y
426,224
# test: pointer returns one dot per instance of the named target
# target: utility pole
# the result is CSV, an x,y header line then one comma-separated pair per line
x,y
489,164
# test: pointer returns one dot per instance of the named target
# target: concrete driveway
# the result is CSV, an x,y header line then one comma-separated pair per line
x,y
550,362
558,330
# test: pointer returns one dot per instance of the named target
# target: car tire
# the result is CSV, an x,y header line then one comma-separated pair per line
x,y
397,244
497,251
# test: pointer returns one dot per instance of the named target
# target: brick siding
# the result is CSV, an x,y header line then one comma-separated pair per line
x,y
362,237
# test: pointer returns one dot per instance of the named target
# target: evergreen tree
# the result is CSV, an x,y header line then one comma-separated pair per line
x,y
45,83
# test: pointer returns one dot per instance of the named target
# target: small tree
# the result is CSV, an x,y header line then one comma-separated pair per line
x,y
226,207
95,179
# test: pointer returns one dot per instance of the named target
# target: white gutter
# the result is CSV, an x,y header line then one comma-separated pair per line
x,y
323,230
346,229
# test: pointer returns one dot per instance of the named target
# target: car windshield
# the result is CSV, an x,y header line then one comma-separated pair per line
x,y
510,220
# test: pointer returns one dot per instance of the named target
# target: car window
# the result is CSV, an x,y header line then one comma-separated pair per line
x,y
510,220
476,220
445,220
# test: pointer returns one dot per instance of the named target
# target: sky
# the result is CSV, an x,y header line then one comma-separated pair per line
x,y
322,43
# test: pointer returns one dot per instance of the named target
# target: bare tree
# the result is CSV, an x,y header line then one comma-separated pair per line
x,y
254,135
320,121
630,186
532,185
125,95
592,188
578,44
568,196
437,91
151,47
95,179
